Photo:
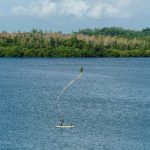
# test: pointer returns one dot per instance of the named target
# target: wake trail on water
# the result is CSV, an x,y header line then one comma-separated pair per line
x,y
68,85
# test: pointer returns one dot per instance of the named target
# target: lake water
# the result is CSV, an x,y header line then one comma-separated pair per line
x,y
109,105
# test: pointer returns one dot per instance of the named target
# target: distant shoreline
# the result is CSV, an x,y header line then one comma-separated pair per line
x,y
71,57
105,42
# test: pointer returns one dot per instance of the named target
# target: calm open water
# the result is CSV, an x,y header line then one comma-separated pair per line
x,y
109,105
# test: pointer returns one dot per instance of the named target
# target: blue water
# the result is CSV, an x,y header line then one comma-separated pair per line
x,y
109,105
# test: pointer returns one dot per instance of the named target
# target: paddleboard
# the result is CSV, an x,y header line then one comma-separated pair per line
x,y
65,126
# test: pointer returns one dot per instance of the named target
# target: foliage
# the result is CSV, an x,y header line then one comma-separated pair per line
x,y
106,42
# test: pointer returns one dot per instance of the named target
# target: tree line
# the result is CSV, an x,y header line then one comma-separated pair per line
x,y
116,31
106,42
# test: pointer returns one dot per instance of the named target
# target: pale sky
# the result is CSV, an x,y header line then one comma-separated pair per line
x,y
71,15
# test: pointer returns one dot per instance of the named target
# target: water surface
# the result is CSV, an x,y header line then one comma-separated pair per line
x,y
109,105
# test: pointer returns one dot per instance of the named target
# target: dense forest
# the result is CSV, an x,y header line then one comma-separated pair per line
x,y
119,32
105,42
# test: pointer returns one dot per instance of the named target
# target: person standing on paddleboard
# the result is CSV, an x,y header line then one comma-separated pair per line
x,y
62,121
